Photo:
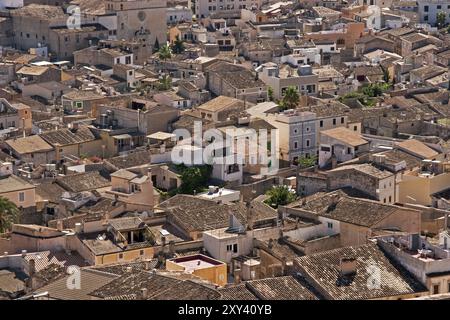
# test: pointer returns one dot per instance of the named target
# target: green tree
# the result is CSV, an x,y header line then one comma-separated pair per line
x,y
178,46
165,83
156,46
440,19
279,196
9,214
304,162
290,99
386,76
270,93
164,52
194,178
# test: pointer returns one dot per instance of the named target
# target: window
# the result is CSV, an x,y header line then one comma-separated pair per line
x,y
426,8
307,142
330,225
349,150
295,144
141,252
425,18
438,7
334,122
342,120
21,196
321,123
384,200
448,286
120,256
295,131
390,199
355,128
435,288
232,248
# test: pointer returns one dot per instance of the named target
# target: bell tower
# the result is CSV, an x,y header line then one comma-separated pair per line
x,y
143,20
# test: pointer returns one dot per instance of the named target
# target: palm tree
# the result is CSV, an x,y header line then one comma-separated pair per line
x,y
9,214
290,99
165,83
165,52
178,46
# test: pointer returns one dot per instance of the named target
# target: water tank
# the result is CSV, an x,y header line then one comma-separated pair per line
x,y
305,70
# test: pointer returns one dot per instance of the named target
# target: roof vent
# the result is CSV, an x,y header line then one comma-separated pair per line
x,y
347,266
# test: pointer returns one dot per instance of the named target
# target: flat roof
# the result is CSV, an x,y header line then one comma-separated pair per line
x,y
195,262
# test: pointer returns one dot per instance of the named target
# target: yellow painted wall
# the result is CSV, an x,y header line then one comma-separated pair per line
x,y
128,256
30,197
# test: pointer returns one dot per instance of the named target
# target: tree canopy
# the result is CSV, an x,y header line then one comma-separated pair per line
x,y
9,214
193,178
164,52
279,195
177,46
290,99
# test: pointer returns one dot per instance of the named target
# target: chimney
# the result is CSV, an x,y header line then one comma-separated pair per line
x,y
32,267
149,173
446,221
333,161
147,265
347,266
144,293
237,276
172,247
78,228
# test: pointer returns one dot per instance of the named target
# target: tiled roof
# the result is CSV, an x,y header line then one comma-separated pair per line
x,y
337,205
237,76
159,287
324,269
417,148
43,12
83,181
280,288
365,168
90,280
188,290
13,183
44,259
345,135
64,137
30,144
219,103
195,214
237,292
130,223
124,268
132,159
